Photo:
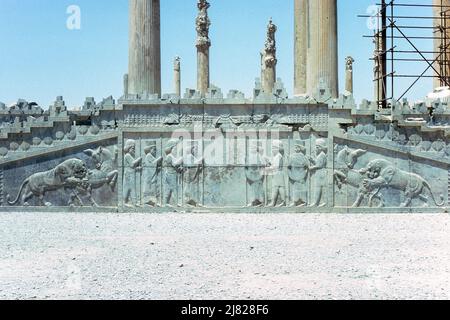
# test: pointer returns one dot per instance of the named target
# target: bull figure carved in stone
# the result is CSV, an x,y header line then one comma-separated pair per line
x,y
346,174
103,174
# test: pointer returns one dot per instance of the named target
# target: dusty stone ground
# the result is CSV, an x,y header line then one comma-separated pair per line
x,y
120,256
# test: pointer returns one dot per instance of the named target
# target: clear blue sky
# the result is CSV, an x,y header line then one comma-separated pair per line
x,y
41,59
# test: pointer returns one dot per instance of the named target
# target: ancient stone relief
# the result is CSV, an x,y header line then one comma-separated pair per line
x,y
72,179
151,172
234,164
298,171
105,172
319,172
192,170
263,173
131,165
381,174
382,182
70,174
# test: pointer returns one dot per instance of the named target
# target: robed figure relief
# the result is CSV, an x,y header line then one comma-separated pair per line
x,y
152,165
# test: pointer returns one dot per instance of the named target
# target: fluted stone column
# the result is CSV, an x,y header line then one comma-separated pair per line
x,y
144,70
269,59
322,55
442,41
349,75
177,76
300,46
203,44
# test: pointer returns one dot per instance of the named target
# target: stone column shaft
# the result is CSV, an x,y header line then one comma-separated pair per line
x,y
300,46
177,76
270,76
203,44
125,85
203,74
144,70
349,75
269,57
322,55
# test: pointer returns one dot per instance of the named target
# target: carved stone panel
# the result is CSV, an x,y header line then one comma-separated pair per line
x,y
85,176
368,176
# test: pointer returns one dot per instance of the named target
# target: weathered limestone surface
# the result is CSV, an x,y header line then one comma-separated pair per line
x,y
144,47
269,59
177,76
202,152
301,24
203,44
322,54
349,75
231,154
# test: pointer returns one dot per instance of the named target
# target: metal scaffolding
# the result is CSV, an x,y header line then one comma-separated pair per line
x,y
394,45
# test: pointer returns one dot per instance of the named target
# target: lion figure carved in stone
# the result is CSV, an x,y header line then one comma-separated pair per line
x,y
383,174
64,175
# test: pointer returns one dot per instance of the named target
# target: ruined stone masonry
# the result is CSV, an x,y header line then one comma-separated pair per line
x,y
204,151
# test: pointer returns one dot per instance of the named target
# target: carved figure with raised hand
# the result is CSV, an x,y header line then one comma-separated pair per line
x,y
150,174
318,171
131,166
63,176
276,170
298,169
172,165
193,167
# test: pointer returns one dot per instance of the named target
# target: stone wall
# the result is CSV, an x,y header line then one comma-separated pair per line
x,y
215,154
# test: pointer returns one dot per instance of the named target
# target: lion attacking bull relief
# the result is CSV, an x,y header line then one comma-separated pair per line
x,y
74,178
383,174
379,174
64,176
103,174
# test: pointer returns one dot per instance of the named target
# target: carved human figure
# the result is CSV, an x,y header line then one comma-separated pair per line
x,y
193,168
131,166
172,167
255,178
318,171
150,173
276,170
298,170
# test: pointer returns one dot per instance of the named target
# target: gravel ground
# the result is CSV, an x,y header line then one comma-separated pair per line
x,y
185,256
